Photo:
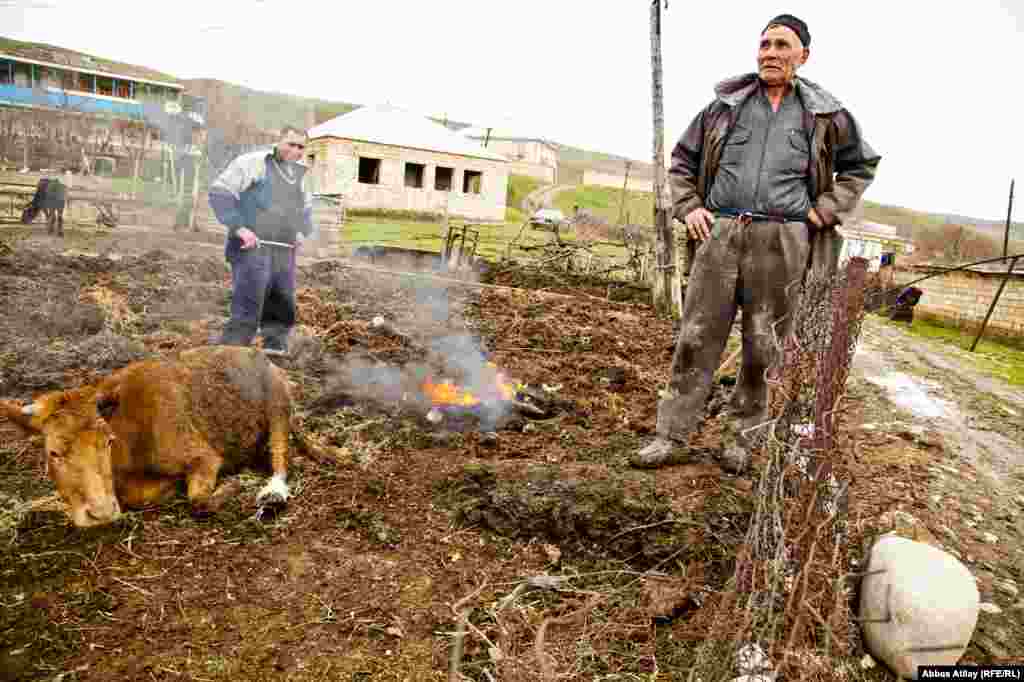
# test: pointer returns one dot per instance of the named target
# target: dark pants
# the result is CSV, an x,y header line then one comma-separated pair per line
x,y
754,267
262,297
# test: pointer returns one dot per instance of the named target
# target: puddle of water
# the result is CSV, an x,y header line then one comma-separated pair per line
x,y
911,395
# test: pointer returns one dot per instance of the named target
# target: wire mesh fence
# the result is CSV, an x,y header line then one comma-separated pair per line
x,y
789,599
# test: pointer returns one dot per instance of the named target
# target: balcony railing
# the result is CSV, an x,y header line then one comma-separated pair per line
x,y
69,100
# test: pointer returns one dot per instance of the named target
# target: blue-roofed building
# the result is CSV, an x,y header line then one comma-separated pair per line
x,y
37,75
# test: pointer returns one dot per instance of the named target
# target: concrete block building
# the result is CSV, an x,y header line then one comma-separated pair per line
x,y
382,157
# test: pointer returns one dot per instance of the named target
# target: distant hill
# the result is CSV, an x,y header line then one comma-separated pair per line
x,y
910,219
260,109
272,110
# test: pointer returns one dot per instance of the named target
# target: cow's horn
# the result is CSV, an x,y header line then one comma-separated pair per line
x,y
29,410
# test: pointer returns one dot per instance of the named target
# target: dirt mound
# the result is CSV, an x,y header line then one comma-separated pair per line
x,y
592,510
28,367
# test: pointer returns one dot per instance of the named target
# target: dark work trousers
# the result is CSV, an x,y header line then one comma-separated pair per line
x,y
262,297
757,267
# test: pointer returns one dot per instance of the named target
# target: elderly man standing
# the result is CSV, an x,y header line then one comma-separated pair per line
x,y
759,178
262,199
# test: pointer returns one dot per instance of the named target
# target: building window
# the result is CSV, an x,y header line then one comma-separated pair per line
x,y
472,181
369,171
105,86
124,89
84,82
443,179
22,75
6,73
414,175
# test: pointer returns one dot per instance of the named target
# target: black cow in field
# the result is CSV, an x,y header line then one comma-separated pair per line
x,y
50,199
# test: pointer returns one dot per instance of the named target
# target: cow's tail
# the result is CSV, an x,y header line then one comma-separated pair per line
x,y
306,446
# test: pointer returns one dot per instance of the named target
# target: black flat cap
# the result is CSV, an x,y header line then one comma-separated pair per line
x,y
791,22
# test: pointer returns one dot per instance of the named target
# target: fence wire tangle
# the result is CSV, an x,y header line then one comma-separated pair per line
x,y
790,594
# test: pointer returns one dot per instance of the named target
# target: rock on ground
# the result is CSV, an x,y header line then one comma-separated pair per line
x,y
930,598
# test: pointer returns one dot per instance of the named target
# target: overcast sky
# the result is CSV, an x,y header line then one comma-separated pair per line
x,y
937,87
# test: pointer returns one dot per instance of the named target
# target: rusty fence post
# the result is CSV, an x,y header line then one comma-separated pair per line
x,y
834,359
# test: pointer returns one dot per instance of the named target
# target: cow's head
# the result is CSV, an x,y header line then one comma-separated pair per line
x,y
78,442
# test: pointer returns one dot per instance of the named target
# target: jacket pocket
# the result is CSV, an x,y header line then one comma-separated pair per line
x,y
735,146
800,151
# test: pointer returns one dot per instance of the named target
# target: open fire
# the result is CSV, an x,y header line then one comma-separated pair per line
x,y
495,387
488,394
493,397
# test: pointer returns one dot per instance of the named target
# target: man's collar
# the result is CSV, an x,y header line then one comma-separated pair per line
x,y
817,100
273,155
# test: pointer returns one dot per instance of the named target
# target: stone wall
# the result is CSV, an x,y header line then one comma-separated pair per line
x,y
335,170
963,298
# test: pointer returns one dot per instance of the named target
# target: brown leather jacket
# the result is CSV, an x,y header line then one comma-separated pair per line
x,y
842,162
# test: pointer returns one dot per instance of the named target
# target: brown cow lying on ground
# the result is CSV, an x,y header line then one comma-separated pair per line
x,y
129,439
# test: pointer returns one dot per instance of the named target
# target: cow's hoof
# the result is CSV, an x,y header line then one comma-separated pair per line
x,y
274,493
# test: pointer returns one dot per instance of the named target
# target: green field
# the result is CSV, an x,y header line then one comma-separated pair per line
x,y
427,236
996,355
519,187
604,201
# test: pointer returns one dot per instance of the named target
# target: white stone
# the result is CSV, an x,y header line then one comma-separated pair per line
x,y
931,600
990,538
752,660
989,608
867,663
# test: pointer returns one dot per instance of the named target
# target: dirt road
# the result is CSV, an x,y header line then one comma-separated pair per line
x,y
972,427
542,197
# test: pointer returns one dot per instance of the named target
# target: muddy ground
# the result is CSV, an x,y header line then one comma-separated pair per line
x,y
398,526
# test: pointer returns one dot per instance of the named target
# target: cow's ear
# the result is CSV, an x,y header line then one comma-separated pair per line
x,y
106,405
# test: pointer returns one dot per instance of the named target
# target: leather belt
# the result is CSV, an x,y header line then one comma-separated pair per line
x,y
748,216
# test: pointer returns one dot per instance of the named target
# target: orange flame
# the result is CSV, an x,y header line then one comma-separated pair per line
x,y
448,393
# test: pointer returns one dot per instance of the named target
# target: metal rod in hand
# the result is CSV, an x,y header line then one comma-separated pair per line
x,y
999,292
265,242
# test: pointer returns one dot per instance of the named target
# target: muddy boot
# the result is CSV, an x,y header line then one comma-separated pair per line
x,y
739,437
676,418
654,455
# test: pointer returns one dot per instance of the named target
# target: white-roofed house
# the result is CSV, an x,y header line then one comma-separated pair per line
x,y
879,243
382,157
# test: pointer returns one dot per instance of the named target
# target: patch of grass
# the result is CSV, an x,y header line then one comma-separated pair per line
x,y
514,215
519,187
604,201
994,355
427,236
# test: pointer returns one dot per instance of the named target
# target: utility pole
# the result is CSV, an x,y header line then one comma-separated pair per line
x,y
666,293
1009,212
622,197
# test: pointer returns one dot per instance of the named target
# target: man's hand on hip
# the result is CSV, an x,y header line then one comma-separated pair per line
x,y
815,219
248,238
698,223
